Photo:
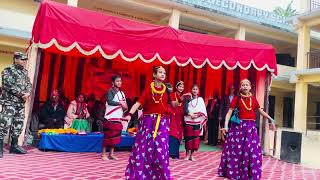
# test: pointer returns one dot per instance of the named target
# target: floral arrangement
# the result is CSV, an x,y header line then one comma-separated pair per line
x,y
132,130
57,131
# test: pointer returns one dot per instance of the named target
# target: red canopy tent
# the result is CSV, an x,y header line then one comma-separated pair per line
x,y
77,46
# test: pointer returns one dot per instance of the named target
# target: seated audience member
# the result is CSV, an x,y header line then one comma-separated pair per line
x,y
78,115
91,100
98,114
63,99
53,112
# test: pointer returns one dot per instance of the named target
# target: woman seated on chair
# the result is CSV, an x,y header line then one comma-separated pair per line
x,y
78,115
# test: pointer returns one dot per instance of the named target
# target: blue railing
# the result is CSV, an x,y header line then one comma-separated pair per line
x,y
241,11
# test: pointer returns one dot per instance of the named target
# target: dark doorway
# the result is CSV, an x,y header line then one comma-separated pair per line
x,y
318,116
272,104
287,112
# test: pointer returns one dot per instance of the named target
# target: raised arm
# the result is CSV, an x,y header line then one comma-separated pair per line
x,y
133,109
227,119
185,107
264,114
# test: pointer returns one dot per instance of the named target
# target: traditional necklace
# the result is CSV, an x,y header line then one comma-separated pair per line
x,y
194,105
175,94
154,99
154,91
244,104
244,95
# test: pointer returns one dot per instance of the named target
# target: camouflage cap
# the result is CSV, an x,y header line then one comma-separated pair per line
x,y
20,55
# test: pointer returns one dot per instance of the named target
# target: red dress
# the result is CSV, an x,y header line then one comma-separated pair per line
x,y
176,123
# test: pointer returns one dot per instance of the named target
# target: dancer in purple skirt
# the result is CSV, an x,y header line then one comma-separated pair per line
x,y
149,158
241,158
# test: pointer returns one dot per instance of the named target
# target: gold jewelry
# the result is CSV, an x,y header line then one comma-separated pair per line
x,y
248,95
154,99
156,91
250,108
175,94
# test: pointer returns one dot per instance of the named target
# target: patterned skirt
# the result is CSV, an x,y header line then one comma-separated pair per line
x,y
241,157
112,133
149,158
192,137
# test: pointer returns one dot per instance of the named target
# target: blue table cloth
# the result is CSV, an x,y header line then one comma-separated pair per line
x,y
79,143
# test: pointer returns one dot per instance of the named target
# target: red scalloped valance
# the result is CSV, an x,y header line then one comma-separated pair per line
x,y
70,28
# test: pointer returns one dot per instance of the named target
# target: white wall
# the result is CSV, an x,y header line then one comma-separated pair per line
x,y
6,54
16,20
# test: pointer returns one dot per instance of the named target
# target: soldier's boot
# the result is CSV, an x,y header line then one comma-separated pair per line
x,y
15,148
1,148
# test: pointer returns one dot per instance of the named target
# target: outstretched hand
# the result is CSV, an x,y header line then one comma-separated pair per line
x,y
224,131
193,116
184,96
273,126
126,118
26,96
175,103
124,105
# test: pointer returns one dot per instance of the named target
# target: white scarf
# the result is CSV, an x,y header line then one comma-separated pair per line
x,y
115,113
197,106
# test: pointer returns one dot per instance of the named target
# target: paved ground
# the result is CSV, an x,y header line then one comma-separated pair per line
x,y
38,165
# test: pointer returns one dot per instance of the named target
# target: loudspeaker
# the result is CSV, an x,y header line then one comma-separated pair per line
x,y
291,147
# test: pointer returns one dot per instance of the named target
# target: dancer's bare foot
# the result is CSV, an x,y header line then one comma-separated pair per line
x,y
105,158
173,158
112,157
192,158
187,158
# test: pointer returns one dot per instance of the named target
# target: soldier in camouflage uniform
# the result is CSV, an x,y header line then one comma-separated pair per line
x,y
16,89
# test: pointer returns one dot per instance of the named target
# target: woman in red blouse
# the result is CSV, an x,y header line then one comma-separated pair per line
x,y
176,123
149,157
242,156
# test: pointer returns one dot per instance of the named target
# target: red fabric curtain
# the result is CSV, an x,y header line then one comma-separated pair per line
x,y
73,74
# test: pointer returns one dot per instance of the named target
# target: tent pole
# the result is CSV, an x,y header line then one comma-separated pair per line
x,y
264,124
33,70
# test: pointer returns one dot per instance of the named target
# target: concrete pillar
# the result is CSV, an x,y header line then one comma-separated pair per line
x,y
174,19
301,93
300,107
303,46
73,3
241,33
304,6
